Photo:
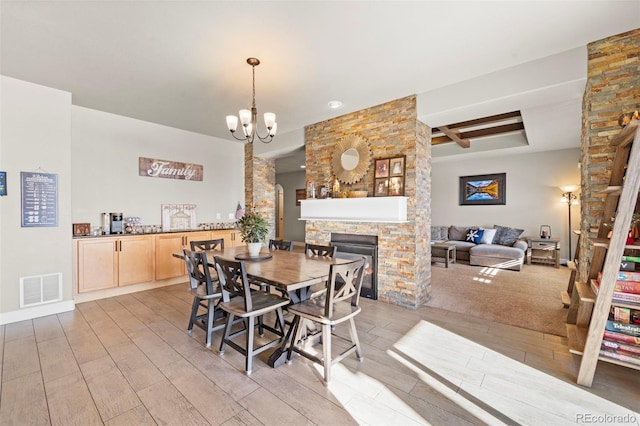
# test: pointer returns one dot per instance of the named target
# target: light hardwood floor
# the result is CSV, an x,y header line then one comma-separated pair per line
x,y
128,360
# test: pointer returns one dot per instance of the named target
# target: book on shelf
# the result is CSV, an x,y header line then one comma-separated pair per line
x,y
620,337
624,315
622,348
628,276
621,357
632,287
621,327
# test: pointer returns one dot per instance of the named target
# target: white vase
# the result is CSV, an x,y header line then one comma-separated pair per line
x,y
254,249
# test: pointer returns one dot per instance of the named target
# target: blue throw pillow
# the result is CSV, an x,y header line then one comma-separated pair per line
x,y
475,235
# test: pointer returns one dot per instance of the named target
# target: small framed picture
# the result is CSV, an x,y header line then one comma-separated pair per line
x,y
382,188
396,186
382,168
397,166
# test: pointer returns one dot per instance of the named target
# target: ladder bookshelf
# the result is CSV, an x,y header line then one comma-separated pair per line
x,y
585,328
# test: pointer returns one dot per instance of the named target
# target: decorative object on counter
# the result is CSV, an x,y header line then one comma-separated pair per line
x,y
336,188
3,183
351,159
249,118
389,176
133,225
358,194
106,223
545,231
253,230
178,217
152,167
81,229
311,189
239,211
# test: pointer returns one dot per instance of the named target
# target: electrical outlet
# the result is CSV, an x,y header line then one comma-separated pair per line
x,y
218,216
231,216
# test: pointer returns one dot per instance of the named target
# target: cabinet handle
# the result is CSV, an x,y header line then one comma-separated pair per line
x,y
120,245
116,245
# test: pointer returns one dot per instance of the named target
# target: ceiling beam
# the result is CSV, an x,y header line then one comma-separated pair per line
x,y
454,135
481,133
480,121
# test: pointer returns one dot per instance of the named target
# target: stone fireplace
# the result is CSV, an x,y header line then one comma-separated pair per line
x,y
391,129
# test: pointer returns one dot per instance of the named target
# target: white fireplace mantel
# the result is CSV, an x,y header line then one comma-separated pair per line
x,y
366,209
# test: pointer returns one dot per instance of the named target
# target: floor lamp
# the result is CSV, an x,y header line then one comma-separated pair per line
x,y
571,199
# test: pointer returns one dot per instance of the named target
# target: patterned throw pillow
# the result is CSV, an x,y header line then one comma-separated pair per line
x,y
475,235
506,236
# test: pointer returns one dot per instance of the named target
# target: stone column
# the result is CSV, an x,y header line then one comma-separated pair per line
x,y
260,186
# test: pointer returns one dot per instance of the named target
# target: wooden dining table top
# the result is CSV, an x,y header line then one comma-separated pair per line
x,y
287,270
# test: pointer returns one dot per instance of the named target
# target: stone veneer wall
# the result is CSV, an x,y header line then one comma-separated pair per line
x,y
392,129
260,186
613,88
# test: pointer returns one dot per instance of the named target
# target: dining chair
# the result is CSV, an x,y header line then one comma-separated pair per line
x,y
217,244
206,293
338,303
320,250
281,245
248,305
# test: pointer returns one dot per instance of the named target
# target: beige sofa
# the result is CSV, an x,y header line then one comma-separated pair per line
x,y
508,251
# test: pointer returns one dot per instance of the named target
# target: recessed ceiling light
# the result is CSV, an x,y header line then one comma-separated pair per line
x,y
303,167
335,104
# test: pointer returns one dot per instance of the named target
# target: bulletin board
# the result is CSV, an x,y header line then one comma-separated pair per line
x,y
39,199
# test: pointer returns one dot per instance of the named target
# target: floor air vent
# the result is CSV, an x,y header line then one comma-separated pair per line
x,y
40,289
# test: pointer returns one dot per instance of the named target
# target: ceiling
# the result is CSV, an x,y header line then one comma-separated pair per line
x,y
182,63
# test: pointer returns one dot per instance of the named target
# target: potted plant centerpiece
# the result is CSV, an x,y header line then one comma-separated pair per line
x,y
253,230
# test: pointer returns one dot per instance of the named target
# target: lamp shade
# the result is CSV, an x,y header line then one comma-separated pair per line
x,y
569,188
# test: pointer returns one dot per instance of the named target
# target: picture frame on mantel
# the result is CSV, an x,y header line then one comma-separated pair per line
x,y
389,177
482,190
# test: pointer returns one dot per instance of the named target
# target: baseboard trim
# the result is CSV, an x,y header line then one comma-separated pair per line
x,y
37,312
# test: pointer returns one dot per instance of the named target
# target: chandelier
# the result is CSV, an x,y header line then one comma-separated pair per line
x,y
248,118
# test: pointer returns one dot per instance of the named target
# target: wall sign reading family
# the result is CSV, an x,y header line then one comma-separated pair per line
x,y
39,199
483,189
152,167
389,177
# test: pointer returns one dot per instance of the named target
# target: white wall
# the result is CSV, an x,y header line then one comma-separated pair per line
x,y
294,229
36,135
95,156
104,154
532,197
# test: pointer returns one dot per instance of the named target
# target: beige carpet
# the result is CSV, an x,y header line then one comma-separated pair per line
x,y
529,298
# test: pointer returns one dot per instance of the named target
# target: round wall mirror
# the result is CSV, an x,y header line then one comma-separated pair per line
x,y
351,159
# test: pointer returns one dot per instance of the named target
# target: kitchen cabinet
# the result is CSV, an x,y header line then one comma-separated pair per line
x,y
231,237
168,266
114,261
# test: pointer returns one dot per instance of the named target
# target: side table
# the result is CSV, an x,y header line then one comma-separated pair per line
x,y
443,251
543,250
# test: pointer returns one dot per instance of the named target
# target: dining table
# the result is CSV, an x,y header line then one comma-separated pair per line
x,y
293,272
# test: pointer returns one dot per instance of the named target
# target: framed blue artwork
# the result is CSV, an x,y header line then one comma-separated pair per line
x,y
480,190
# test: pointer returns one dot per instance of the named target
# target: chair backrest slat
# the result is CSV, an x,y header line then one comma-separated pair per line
x,y
233,281
198,270
319,250
281,245
345,282
217,244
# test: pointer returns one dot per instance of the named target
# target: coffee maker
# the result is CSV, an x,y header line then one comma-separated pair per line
x,y
117,223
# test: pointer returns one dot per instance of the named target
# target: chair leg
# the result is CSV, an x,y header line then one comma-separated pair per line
x,y
194,313
249,355
227,332
210,318
354,339
326,351
293,335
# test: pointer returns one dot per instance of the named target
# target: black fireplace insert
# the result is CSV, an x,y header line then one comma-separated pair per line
x,y
351,246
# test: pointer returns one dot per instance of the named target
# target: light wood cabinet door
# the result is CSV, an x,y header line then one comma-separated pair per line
x,y
168,266
231,237
97,264
136,262
197,236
